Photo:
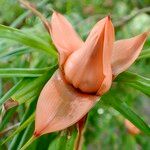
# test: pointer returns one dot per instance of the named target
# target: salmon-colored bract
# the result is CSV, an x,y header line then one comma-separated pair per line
x,y
87,68
86,71
60,105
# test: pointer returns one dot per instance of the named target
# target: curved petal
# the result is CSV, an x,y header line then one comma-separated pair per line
x,y
87,67
60,105
125,52
64,36
107,53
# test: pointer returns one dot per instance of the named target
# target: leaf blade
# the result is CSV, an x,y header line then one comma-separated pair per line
x,y
23,72
136,81
111,100
28,40
20,128
31,87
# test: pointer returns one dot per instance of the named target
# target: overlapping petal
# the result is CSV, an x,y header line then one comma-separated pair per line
x,y
125,52
60,105
64,36
87,67
107,54
86,70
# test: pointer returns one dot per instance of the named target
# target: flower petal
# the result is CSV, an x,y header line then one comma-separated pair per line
x,y
107,53
125,52
60,105
87,67
64,36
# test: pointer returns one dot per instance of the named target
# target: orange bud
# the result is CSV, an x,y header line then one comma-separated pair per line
x,y
132,129
87,67
83,65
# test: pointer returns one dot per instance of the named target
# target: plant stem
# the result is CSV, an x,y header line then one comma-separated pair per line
x,y
28,143
8,129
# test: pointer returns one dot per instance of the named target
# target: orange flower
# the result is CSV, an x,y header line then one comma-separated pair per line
x,y
85,71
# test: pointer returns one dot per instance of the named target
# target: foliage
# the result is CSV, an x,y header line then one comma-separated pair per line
x,y
28,59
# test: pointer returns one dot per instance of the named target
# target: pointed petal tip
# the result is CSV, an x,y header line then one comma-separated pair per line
x,y
36,134
108,18
62,107
54,13
61,29
126,51
147,33
109,21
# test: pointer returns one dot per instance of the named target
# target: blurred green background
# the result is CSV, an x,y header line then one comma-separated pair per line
x,y
105,127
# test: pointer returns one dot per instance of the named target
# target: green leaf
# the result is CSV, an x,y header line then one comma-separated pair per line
x,y
28,88
28,133
15,52
129,143
111,100
31,87
10,92
19,129
25,14
136,81
32,139
6,118
16,139
28,40
144,54
22,72
62,142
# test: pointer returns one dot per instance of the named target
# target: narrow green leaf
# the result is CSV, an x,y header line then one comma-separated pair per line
x,y
25,14
19,129
16,139
22,72
33,138
62,142
111,100
129,143
10,92
31,87
136,81
59,143
71,141
144,54
28,40
44,141
15,52
1,87
6,118
28,133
